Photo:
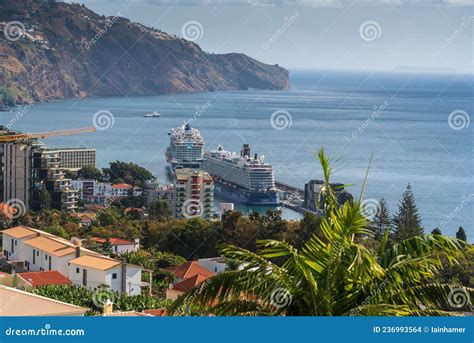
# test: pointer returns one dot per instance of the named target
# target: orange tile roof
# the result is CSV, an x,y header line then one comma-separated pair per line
x,y
51,277
51,246
122,185
19,232
95,262
113,241
189,269
189,283
159,312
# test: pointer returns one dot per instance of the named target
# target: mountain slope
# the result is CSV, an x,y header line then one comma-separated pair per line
x,y
66,51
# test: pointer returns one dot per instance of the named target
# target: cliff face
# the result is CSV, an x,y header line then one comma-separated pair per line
x,y
66,51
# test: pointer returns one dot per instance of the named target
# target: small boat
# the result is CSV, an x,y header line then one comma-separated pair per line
x,y
154,114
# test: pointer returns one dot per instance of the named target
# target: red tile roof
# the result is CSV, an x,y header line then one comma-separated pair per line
x,y
189,283
51,277
122,185
189,269
159,312
113,241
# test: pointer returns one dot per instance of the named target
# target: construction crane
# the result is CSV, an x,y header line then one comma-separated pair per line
x,y
32,135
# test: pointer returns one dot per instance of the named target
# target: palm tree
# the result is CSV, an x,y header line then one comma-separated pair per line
x,y
331,274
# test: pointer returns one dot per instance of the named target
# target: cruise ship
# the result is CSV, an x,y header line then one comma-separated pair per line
x,y
186,147
240,178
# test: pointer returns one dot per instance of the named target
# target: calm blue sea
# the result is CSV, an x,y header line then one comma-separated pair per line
x,y
402,119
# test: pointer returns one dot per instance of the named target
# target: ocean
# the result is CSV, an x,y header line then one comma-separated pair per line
x,y
416,127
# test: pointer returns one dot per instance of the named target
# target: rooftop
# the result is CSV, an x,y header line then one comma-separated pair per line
x,y
52,277
122,185
19,303
19,232
189,283
51,246
113,241
95,262
189,269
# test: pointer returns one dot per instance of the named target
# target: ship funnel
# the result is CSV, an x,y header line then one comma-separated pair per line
x,y
255,156
245,150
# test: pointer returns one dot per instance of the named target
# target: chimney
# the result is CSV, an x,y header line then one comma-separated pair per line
x,y
124,276
255,157
78,252
108,308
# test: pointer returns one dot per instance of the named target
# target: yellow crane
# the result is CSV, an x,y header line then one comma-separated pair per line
x,y
31,135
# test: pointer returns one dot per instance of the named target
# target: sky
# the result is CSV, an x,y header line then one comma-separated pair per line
x,y
366,35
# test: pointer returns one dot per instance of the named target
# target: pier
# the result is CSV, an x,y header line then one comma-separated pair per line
x,y
291,197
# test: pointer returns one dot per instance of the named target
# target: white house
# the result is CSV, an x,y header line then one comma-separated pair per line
x,y
214,264
119,245
41,251
91,271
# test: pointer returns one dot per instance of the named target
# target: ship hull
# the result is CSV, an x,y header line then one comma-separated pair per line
x,y
239,195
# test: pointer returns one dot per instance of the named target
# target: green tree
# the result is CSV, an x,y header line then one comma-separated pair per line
x,y
130,173
159,210
109,216
407,221
45,199
436,231
381,221
107,247
331,276
461,234
89,173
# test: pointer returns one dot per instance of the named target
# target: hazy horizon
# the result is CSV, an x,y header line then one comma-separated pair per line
x,y
388,35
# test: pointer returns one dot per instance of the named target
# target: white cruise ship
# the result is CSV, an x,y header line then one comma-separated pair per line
x,y
241,178
186,147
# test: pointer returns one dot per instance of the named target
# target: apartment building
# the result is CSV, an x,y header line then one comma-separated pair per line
x,y
28,169
74,159
193,194
36,250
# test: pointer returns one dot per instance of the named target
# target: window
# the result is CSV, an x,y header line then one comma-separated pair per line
x,y
16,242
45,257
37,253
77,270
114,276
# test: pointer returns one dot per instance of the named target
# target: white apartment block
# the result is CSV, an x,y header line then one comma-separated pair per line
x,y
75,158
